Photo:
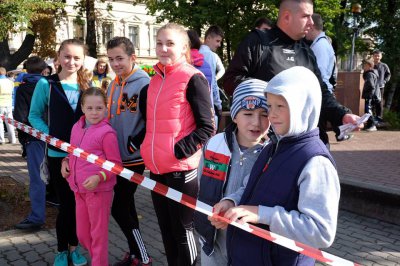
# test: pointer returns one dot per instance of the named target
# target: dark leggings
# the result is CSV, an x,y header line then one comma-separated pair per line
x,y
176,220
124,212
66,221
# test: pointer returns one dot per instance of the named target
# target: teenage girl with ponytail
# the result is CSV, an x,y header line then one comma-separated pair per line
x,y
57,98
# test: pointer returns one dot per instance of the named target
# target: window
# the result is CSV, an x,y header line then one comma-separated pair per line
x,y
134,35
155,37
107,32
79,30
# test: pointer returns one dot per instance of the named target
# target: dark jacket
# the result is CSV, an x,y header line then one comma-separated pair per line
x,y
267,187
62,116
383,74
264,54
23,97
371,89
213,183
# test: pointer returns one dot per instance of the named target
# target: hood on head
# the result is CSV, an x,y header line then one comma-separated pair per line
x,y
302,91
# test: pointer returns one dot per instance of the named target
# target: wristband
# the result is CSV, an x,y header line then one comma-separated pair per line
x,y
103,175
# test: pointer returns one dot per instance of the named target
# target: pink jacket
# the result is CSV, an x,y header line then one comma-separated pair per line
x,y
101,140
169,119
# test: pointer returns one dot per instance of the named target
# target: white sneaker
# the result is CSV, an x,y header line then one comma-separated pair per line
x,y
371,129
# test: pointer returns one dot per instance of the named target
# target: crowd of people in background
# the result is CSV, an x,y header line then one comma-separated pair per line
x,y
283,97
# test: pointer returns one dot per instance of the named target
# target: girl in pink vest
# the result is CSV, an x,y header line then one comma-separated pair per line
x,y
92,185
179,120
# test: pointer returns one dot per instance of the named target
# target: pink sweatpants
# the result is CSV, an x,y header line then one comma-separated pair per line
x,y
92,218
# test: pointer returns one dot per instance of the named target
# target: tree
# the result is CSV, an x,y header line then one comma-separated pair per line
x,y
236,18
382,20
22,15
87,9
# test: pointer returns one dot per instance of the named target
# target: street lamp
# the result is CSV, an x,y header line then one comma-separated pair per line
x,y
356,10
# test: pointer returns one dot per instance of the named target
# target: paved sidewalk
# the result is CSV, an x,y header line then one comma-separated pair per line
x,y
364,240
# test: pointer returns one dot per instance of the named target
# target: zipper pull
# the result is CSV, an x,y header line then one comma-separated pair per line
x,y
266,165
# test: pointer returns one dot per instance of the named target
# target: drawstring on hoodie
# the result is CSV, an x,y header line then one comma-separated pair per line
x,y
120,93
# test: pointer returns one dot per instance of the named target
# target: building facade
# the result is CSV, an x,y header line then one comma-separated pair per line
x,y
124,19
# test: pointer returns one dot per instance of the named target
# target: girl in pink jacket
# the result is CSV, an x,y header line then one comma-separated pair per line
x,y
92,185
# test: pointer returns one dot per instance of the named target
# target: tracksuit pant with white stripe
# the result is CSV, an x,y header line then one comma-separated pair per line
x,y
176,220
124,212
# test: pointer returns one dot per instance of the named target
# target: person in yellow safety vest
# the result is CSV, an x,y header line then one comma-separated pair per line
x,y
100,72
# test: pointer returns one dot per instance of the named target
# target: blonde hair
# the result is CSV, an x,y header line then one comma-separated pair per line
x,y
102,60
83,80
105,82
181,30
88,74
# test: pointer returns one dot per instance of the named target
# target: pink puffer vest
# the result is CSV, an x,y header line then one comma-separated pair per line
x,y
169,119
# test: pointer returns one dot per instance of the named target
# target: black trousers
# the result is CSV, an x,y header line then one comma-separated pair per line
x,y
176,220
66,219
124,212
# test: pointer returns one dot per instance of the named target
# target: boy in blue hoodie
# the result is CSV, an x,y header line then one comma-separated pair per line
x,y
34,147
293,189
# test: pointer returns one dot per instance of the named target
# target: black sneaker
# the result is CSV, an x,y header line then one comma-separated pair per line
x,y
28,225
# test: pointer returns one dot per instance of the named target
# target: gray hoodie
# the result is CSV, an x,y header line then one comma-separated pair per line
x,y
127,118
315,222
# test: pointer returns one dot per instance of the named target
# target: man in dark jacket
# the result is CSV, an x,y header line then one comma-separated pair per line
x,y
34,147
371,93
383,77
264,54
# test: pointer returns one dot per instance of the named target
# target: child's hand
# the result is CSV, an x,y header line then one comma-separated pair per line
x,y
91,182
243,214
65,169
220,208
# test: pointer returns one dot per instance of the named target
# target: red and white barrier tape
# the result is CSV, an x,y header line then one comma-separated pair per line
x,y
180,197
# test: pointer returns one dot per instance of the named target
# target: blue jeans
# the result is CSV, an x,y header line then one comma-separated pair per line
x,y
37,188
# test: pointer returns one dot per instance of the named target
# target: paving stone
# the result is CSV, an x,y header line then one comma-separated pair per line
x,y
367,241
20,263
12,255
41,248
31,256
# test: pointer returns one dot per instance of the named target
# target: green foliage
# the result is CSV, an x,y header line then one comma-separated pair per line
x,y
393,119
17,15
236,18
148,69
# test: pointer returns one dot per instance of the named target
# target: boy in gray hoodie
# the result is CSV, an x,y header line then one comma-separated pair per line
x,y
293,189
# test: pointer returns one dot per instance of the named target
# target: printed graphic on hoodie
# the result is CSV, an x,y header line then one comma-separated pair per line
x,y
129,104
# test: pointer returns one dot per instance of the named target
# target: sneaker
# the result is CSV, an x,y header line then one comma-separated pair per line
x,y
28,225
126,261
371,129
61,259
345,137
137,262
77,258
